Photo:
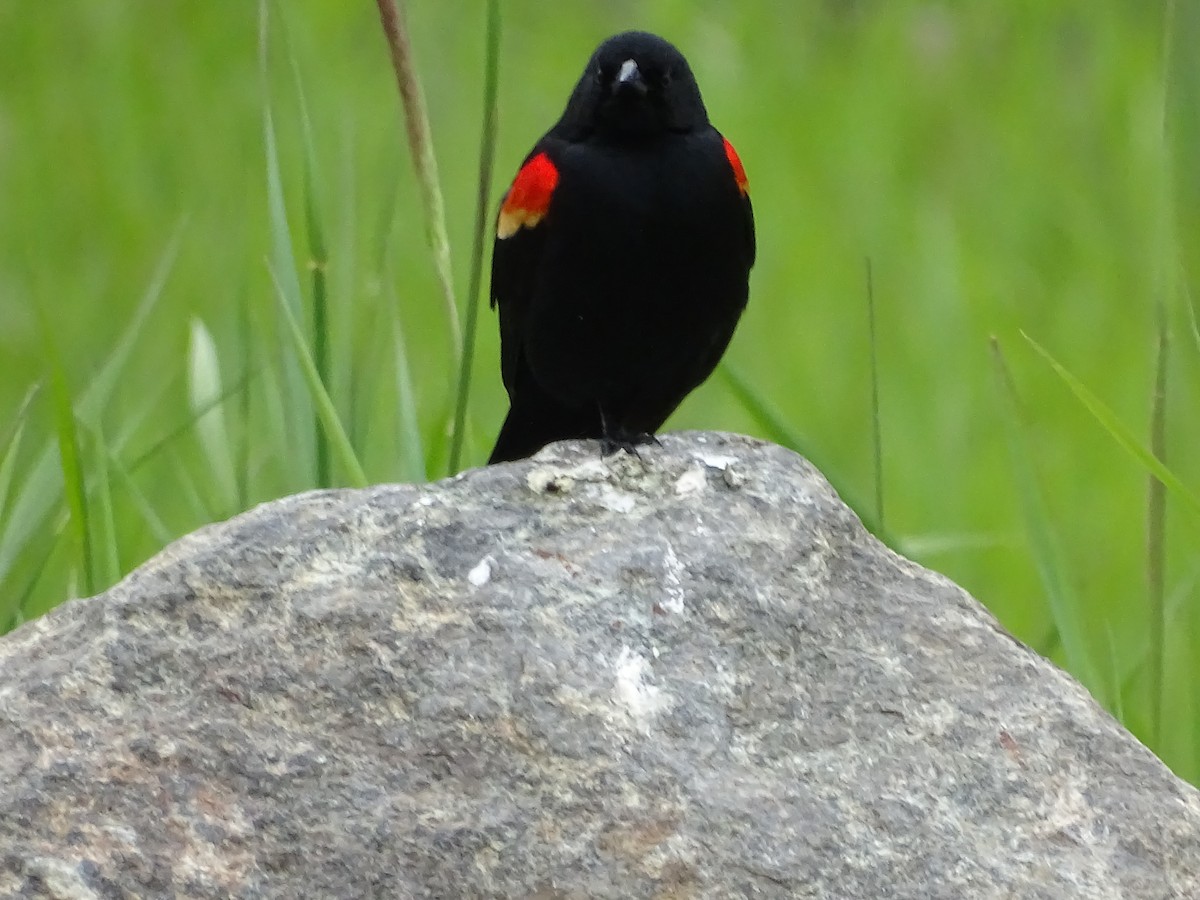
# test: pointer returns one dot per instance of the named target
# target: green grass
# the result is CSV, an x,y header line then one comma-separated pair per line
x,y
180,191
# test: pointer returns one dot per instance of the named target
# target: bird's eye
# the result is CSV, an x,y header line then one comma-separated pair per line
x,y
598,75
665,78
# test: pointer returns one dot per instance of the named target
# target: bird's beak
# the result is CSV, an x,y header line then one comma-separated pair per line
x,y
629,79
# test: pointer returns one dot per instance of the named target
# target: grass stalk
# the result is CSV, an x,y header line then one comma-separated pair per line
x,y
318,258
40,492
1065,609
1156,530
8,461
420,142
70,460
1120,432
244,442
774,425
339,442
107,540
114,465
487,154
297,414
409,438
876,422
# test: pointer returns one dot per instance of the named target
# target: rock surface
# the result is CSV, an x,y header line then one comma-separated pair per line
x,y
694,676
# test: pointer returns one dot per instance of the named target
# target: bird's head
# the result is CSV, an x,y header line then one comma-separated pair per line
x,y
636,84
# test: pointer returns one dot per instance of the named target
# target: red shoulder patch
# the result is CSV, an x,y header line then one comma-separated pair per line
x,y
529,197
739,173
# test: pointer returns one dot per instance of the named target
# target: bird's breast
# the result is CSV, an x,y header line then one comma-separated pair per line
x,y
643,260
648,216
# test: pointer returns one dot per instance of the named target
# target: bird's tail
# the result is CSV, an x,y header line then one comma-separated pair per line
x,y
529,427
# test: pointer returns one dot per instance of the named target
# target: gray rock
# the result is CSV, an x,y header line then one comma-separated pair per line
x,y
690,676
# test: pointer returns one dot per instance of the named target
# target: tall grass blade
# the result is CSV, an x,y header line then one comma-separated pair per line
x,y
487,153
339,442
775,427
1043,543
1189,307
205,394
106,540
297,414
1156,530
69,457
320,319
411,451
1178,606
40,490
1114,681
159,394
1181,144
19,609
1181,131
1118,430
8,462
876,423
767,415
188,490
115,466
420,142
318,262
95,397
187,426
245,430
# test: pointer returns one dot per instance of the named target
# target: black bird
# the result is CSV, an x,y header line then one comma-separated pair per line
x,y
622,255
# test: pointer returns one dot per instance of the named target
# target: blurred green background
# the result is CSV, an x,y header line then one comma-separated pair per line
x,y
1005,167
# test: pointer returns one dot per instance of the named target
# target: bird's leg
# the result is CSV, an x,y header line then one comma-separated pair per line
x,y
610,441
615,438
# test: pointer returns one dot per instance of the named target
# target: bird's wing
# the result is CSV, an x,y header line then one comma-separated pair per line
x,y
520,236
743,186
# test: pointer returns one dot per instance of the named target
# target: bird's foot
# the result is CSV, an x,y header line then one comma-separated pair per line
x,y
611,443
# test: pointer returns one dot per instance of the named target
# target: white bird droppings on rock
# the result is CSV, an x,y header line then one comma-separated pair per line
x,y
481,574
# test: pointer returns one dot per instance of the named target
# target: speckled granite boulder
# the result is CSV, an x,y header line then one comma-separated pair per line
x,y
693,676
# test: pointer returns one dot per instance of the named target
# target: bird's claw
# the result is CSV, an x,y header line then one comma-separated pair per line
x,y
611,443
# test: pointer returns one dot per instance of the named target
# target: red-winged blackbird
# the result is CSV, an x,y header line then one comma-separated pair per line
x,y
622,254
